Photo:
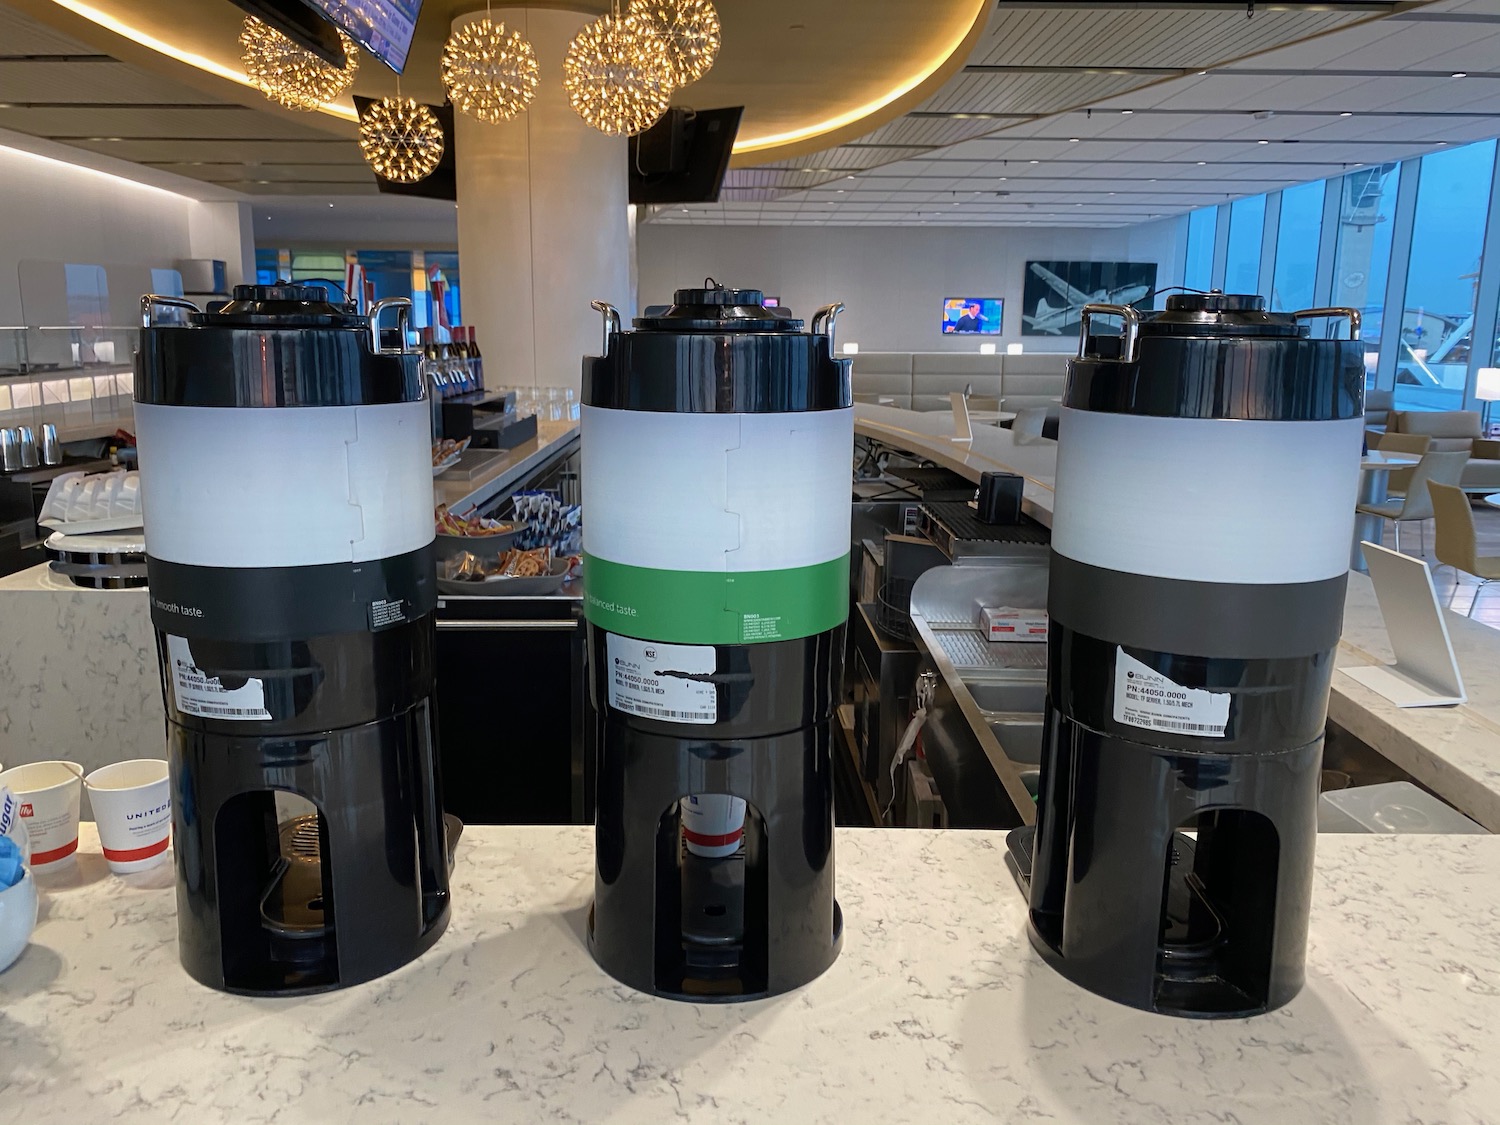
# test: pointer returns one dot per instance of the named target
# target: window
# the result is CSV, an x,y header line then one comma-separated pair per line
x,y
1294,281
1437,325
1198,273
1247,225
1362,249
267,265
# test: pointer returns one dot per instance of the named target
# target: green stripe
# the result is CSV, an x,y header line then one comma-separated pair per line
x,y
716,608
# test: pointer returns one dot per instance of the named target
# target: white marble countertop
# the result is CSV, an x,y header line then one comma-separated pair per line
x,y
1455,751
937,1011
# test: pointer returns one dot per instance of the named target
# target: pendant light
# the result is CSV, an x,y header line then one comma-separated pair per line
x,y
489,71
290,75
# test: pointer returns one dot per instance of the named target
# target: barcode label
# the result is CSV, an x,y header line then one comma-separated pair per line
x,y
1171,724
1148,699
661,681
194,708
196,692
651,712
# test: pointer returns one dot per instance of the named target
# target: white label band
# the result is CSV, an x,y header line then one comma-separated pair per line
x,y
659,681
1205,499
1147,699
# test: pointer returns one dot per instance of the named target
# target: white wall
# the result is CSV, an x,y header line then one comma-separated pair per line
x,y
56,212
892,280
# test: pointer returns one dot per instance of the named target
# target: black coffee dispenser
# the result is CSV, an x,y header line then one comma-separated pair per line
x,y
717,439
285,461
1208,461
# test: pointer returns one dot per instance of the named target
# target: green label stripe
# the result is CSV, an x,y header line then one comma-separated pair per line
x,y
716,607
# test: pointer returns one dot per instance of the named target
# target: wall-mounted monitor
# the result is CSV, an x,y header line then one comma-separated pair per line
x,y
973,315
382,27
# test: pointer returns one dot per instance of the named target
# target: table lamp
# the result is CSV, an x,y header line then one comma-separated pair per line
x,y
1487,390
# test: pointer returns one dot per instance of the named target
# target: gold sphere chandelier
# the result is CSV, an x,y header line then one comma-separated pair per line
x,y
618,75
489,72
402,140
691,31
291,75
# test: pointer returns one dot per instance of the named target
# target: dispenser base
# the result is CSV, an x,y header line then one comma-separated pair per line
x,y
709,994
1189,984
426,942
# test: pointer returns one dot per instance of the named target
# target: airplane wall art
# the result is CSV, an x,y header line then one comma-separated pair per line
x,y
1055,292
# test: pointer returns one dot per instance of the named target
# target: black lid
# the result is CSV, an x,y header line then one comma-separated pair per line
x,y
718,350
283,304
1219,314
1220,355
272,346
717,308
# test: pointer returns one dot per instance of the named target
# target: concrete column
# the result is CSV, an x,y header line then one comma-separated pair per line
x,y
542,221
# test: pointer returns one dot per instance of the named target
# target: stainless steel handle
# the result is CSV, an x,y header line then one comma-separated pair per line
x,y
403,305
1353,316
1131,352
517,625
611,317
151,300
828,314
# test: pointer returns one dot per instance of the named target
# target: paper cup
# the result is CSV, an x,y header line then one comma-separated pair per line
x,y
713,824
49,793
133,809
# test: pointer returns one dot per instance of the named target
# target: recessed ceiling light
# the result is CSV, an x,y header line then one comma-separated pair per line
x,y
1346,113
1459,74
1072,140
840,191
1036,162
1262,142
1201,163
1127,112
330,205
1111,193
1201,73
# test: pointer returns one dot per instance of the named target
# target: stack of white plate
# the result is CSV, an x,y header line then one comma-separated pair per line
x,y
100,561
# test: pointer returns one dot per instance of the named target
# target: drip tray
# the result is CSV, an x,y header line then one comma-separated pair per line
x,y
970,651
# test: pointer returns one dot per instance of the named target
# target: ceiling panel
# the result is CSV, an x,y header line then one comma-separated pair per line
x,y
222,122
22,36
104,80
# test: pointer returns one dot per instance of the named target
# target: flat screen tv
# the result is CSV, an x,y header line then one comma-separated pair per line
x,y
683,157
382,27
300,22
973,315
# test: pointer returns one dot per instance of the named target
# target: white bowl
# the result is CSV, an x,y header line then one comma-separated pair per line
x,y
18,906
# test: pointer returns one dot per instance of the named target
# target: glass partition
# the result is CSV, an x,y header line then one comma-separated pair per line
x,y
1198,272
1294,280
1442,281
1247,225
1362,248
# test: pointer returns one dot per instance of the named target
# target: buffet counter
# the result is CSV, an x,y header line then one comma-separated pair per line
x,y
936,1011
1454,751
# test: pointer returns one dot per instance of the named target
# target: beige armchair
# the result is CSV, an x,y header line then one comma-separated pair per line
x,y
1456,544
1416,505
1452,430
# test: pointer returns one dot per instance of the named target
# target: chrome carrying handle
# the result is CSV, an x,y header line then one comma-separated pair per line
x,y
402,305
151,300
611,320
1131,351
827,316
1353,316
